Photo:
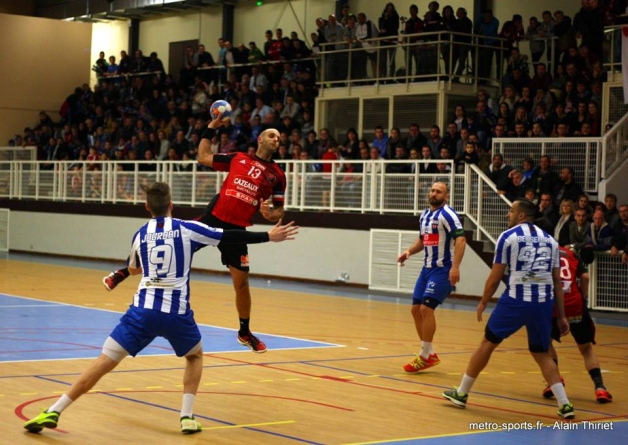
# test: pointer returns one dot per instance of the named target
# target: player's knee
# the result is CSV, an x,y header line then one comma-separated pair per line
x,y
113,350
492,338
585,348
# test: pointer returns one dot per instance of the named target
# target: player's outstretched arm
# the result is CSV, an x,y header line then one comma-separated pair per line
x,y
283,232
205,155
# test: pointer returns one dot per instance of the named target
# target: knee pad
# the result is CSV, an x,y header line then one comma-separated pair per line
x,y
113,350
488,334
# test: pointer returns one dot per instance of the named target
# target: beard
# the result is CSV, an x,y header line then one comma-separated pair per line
x,y
435,201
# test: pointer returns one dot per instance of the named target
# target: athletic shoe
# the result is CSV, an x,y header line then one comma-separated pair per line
x,y
457,399
567,411
112,280
603,396
420,364
189,425
547,392
43,420
251,341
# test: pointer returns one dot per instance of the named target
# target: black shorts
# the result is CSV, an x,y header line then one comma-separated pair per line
x,y
234,255
582,331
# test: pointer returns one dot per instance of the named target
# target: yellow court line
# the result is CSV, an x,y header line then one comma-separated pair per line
x,y
266,380
124,389
239,381
292,380
154,387
250,425
210,384
28,393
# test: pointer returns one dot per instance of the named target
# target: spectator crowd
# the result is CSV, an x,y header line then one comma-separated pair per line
x,y
139,112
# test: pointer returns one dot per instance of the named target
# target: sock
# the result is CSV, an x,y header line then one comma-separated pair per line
x,y
62,403
559,392
244,326
187,409
426,346
466,384
124,272
596,376
431,348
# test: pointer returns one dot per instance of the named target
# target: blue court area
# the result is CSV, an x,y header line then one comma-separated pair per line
x,y
43,330
559,433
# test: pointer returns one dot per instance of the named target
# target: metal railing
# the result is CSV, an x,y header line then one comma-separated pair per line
x,y
433,57
611,56
18,153
614,147
583,155
484,206
608,283
360,186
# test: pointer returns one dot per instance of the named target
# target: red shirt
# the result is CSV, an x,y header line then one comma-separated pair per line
x,y
250,181
570,269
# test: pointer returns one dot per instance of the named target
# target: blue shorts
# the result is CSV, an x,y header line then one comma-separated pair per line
x,y
510,315
138,327
433,283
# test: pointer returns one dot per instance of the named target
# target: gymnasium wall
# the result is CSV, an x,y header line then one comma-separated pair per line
x,y
43,61
317,254
110,37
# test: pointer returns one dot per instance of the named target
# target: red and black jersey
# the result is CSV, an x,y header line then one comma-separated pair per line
x,y
570,269
250,181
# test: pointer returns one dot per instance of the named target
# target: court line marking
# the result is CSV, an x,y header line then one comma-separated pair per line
x,y
251,425
414,392
433,385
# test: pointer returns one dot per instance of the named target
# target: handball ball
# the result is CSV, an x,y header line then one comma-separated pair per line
x,y
221,107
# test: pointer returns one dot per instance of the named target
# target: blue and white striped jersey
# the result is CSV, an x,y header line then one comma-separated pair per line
x,y
530,254
163,248
439,228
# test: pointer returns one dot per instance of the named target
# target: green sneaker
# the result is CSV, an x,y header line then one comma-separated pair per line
x,y
567,411
455,398
189,425
43,420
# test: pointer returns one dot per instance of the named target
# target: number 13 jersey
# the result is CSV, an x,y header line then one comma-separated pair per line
x,y
250,181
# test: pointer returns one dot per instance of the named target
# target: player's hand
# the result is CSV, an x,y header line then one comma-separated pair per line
x,y
217,122
563,326
265,209
624,258
454,275
283,232
480,309
403,257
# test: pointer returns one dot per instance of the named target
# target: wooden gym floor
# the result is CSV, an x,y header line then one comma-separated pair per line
x,y
332,374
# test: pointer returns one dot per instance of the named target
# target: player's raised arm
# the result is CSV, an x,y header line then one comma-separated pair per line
x,y
205,155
